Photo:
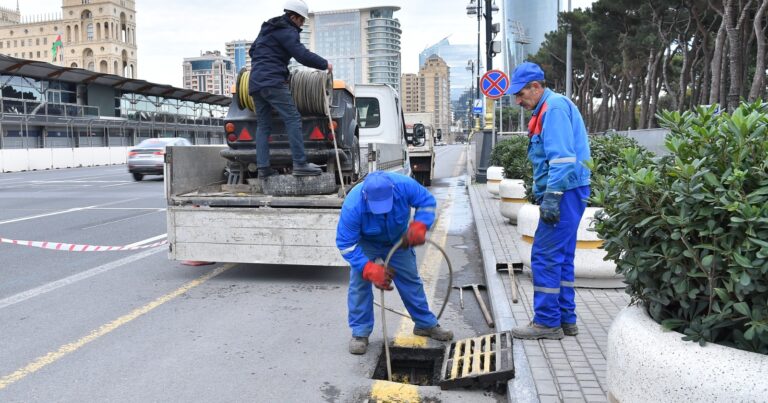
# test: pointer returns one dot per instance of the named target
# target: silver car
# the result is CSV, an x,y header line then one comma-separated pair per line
x,y
148,157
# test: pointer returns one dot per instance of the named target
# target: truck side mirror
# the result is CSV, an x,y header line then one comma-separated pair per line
x,y
439,134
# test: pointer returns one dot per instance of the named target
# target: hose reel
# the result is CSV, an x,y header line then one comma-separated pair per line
x,y
311,91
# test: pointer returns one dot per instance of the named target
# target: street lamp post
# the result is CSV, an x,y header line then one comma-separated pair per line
x,y
485,142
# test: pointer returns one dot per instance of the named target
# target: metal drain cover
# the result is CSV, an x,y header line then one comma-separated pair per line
x,y
480,361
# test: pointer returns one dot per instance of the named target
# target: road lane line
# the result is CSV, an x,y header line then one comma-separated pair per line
x,y
123,219
44,289
148,240
72,210
45,360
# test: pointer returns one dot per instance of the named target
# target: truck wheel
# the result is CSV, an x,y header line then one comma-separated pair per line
x,y
137,176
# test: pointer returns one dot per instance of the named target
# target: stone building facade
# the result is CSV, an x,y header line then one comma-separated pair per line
x,y
97,35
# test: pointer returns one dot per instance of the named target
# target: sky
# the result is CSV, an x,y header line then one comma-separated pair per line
x,y
170,30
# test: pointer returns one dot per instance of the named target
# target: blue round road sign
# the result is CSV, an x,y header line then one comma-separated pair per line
x,y
494,84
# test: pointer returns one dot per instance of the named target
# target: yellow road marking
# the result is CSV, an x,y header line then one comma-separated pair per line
x,y
579,244
54,356
395,392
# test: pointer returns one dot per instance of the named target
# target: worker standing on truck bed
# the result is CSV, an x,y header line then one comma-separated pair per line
x,y
270,53
373,219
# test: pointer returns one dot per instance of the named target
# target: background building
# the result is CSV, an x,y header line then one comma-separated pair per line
x,y
525,24
210,72
429,91
363,44
409,92
238,52
456,56
98,36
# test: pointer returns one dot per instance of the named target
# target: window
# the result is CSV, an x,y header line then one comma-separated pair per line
x,y
368,111
89,30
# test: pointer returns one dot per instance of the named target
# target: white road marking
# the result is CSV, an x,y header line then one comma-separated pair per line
x,y
44,289
148,240
123,219
72,210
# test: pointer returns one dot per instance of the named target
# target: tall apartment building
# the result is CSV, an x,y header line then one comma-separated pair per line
x,y
429,91
210,72
98,35
409,92
362,44
238,52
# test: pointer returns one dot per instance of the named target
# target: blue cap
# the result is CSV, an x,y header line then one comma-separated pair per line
x,y
378,192
524,74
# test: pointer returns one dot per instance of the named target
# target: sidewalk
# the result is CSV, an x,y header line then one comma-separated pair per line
x,y
567,370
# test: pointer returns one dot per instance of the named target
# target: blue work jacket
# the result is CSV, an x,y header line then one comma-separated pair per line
x,y
357,224
558,146
270,53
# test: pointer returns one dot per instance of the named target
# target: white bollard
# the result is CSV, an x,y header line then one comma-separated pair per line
x,y
512,193
493,176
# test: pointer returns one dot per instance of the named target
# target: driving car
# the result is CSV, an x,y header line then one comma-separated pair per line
x,y
148,157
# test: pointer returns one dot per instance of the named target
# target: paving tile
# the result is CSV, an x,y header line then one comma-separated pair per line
x,y
589,384
549,399
596,398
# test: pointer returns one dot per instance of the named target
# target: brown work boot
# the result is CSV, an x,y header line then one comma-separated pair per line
x,y
570,329
436,332
358,345
535,331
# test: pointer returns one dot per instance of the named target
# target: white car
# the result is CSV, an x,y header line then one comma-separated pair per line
x,y
148,157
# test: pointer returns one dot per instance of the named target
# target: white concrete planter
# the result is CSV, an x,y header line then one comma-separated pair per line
x,y
512,193
589,267
493,177
648,364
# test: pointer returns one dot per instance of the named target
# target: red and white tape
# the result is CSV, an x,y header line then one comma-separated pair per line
x,y
69,247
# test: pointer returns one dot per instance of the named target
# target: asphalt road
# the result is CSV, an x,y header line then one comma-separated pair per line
x,y
133,326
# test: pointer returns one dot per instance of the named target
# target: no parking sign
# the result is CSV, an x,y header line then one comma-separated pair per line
x,y
494,84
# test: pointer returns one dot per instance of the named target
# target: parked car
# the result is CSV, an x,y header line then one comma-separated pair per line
x,y
148,157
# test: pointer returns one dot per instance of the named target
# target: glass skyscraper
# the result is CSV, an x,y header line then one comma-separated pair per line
x,y
456,57
525,24
238,52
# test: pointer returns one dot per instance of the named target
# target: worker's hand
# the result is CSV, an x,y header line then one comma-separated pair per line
x,y
378,275
416,234
550,207
330,67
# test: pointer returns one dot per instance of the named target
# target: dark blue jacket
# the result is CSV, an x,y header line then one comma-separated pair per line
x,y
270,53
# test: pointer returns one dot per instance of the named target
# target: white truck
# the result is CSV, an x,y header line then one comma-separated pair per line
x,y
420,135
210,217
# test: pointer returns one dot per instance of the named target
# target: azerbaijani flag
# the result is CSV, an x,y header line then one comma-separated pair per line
x,y
57,44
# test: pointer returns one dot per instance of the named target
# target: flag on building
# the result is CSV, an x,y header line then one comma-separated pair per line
x,y
57,45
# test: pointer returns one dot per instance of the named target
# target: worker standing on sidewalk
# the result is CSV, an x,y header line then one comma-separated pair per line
x,y
373,219
277,43
558,148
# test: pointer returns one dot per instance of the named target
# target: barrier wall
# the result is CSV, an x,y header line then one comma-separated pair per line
x,y
31,159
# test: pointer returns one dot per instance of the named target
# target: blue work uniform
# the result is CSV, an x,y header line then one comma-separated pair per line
x,y
558,149
362,236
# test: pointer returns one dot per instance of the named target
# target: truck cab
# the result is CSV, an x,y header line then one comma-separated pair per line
x,y
382,127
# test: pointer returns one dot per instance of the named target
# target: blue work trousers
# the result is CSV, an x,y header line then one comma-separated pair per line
x,y
552,255
407,281
279,99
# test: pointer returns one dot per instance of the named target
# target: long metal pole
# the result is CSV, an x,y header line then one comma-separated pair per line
x,y
568,58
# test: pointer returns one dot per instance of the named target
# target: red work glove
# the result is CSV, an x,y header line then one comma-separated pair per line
x,y
378,275
416,234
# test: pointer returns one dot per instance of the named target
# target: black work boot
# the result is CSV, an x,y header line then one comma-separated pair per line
x,y
358,345
306,169
265,173
436,333
570,329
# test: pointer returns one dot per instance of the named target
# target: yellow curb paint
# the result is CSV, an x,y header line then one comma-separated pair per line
x,y
54,356
394,392
579,244
511,200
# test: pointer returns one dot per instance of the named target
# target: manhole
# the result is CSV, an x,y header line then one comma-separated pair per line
x,y
412,366
478,362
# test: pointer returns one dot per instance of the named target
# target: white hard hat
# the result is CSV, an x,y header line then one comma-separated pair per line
x,y
297,6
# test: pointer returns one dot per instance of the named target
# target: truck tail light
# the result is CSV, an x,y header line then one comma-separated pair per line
x,y
245,135
231,137
229,127
333,125
316,134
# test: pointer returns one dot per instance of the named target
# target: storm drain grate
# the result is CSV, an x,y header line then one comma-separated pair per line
x,y
480,361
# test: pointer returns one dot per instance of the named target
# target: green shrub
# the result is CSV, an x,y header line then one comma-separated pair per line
x,y
606,151
690,231
512,155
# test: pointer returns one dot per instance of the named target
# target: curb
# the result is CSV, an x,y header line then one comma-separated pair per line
x,y
520,389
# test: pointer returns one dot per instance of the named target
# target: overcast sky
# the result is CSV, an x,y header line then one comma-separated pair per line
x,y
170,30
